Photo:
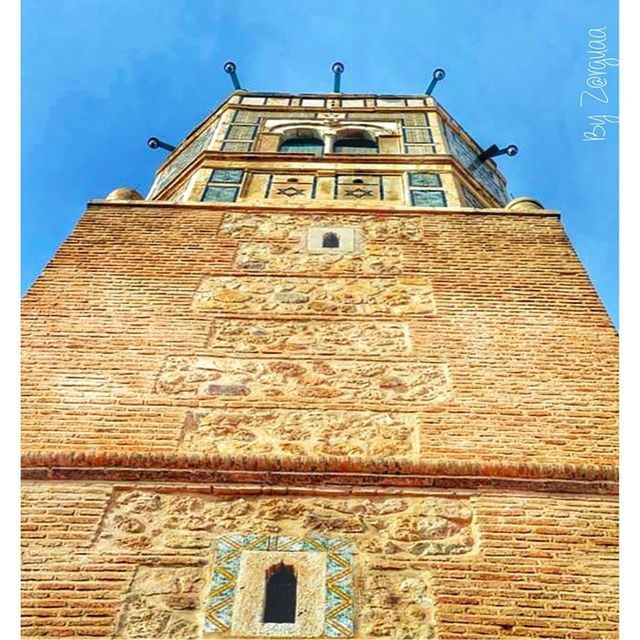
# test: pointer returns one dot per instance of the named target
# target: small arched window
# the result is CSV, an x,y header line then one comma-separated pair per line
x,y
302,144
280,594
330,240
355,142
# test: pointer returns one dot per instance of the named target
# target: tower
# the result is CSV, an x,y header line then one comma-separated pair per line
x,y
327,380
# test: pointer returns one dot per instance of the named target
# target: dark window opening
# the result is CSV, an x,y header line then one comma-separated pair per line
x,y
280,597
355,144
292,180
302,145
330,241
358,181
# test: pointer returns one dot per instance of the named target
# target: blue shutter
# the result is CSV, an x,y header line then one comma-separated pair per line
x,y
226,175
424,180
424,198
220,194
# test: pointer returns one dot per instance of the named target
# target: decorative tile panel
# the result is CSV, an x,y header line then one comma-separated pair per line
x,y
181,160
214,193
409,385
425,179
226,175
407,296
466,155
223,185
422,198
337,554
285,187
356,187
417,136
319,337
471,199
313,432
426,190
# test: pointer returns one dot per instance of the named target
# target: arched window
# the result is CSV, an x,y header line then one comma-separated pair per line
x,y
330,240
302,144
280,594
355,142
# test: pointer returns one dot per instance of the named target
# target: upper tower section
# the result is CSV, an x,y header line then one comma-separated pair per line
x,y
332,150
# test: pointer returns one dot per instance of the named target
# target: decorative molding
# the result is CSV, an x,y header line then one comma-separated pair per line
x,y
340,470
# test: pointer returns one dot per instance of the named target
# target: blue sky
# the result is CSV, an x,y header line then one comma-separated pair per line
x,y
101,76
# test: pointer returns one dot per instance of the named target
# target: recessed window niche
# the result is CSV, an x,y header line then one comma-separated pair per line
x,y
332,240
281,587
262,608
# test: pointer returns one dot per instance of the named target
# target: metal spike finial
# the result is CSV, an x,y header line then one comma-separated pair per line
x,y
230,68
491,152
438,74
338,69
156,143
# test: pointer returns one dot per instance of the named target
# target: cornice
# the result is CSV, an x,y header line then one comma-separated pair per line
x,y
313,208
304,470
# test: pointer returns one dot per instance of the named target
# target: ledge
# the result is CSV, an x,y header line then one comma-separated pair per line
x,y
301,470
309,208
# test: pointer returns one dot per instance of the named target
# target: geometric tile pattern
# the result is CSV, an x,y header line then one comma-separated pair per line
x,y
339,613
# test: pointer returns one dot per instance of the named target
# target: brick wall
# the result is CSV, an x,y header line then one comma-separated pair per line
x,y
531,353
532,565
444,401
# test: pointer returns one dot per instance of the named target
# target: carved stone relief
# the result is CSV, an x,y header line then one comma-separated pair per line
x,y
411,385
284,226
376,258
410,528
163,602
397,604
320,337
305,432
387,543
316,296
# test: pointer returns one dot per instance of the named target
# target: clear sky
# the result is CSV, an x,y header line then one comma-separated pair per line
x,y
101,76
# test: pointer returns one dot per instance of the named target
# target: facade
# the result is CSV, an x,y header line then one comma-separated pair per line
x,y
324,381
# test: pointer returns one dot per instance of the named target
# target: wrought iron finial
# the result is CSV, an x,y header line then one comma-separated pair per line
x,y
491,152
438,74
156,143
230,68
337,68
